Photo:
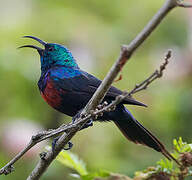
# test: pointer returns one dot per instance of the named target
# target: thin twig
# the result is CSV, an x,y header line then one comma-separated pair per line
x,y
154,76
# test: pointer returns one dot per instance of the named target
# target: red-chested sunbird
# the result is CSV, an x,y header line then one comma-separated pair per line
x,y
67,88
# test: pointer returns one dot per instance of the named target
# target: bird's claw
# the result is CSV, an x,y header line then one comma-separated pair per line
x,y
88,124
70,144
54,142
76,117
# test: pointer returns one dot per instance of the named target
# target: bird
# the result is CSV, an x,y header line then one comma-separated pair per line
x,y
67,88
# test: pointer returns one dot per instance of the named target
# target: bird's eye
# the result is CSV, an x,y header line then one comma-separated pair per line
x,y
50,48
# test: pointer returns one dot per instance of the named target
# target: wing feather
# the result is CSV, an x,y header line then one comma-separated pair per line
x,y
88,84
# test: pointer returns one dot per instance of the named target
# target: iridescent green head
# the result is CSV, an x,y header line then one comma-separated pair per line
x,y
53,55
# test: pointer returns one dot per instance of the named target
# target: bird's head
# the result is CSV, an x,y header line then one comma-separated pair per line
x,y
53,54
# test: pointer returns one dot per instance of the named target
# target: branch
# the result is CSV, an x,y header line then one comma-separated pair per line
x,y
71,129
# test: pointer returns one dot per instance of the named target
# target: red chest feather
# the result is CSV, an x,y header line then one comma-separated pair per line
x,y
51,95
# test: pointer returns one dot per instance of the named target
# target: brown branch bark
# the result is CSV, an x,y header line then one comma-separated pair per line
x,y
71,129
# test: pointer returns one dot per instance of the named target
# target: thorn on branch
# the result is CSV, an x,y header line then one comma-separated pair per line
x,y
163,66
119,78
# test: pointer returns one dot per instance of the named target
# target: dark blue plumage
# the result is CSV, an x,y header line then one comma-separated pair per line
x,y
67,88
78,86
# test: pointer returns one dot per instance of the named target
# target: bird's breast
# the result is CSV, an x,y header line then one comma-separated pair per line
x,y
52,95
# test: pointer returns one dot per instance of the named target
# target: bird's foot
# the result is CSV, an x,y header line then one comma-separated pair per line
x,y
76,116
88,124
70,144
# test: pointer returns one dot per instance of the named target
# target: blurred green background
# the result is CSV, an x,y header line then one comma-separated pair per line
x,y
93,30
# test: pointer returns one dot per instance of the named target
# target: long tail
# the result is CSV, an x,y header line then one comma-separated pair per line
x,y
136,133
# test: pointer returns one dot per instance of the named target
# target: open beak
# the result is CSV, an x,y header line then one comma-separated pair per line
x,y
40,50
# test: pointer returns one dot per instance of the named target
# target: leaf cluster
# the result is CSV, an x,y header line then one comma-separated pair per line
x,y
164,169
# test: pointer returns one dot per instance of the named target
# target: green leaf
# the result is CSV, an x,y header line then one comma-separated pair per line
x,y
100,174
165,165
176,146
72,161
181,146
